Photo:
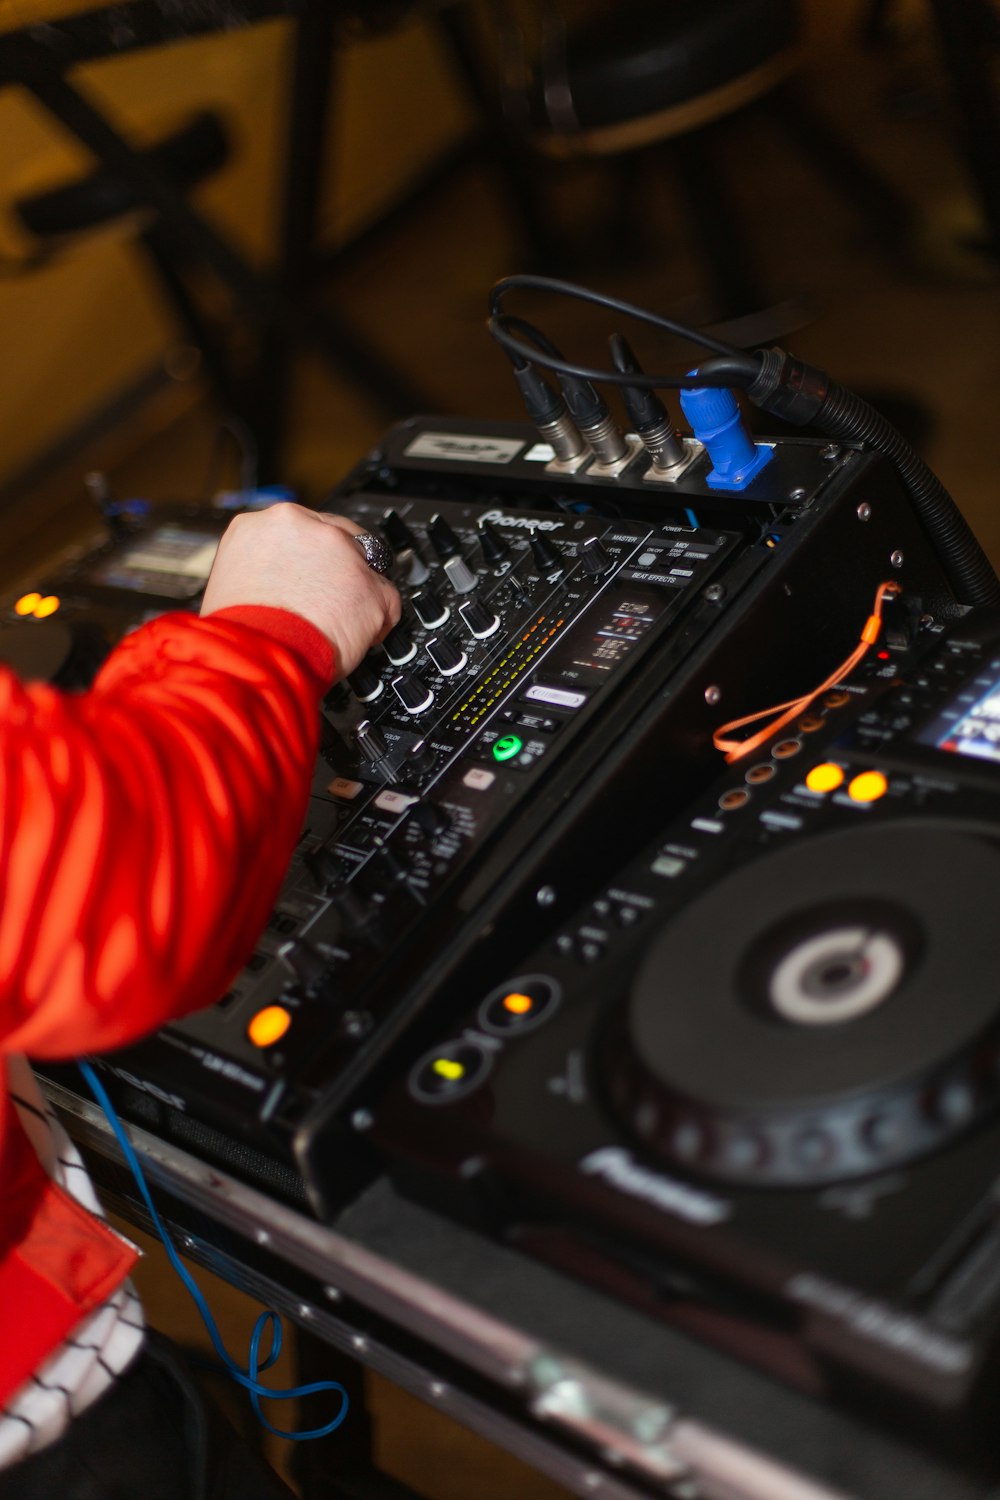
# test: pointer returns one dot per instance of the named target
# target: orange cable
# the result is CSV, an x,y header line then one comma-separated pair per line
x,y
735,749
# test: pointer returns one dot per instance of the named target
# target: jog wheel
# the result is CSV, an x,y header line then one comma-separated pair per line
x,y
855,1032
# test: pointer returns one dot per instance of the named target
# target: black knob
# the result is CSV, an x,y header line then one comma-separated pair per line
x,y
442,538
324,866
410,566
429,608
432,818
307,963
389,864
448,657
415,696
495,547
418,759
461,577
545,555
355,916
396,532
371,741
479,619
595,557
399,645
366,681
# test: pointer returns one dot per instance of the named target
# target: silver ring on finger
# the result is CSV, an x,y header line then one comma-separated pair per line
x,y
378,554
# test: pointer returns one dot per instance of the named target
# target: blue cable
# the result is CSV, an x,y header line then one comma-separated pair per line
x,y
268,1320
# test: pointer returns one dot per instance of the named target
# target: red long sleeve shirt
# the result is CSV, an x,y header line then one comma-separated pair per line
x,y
144,829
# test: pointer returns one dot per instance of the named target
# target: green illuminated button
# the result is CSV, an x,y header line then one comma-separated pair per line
x,y
507,747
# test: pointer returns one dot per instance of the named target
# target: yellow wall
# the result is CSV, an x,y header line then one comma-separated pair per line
x,y
76,332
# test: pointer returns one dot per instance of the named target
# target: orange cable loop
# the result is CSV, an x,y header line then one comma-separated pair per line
x,y
736,749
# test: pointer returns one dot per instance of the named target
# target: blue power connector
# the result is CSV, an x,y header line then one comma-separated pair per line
x,y
715,419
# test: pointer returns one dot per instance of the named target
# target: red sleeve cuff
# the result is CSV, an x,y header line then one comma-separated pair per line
x,y
292,630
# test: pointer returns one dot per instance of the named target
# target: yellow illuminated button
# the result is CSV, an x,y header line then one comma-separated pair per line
x,y
46,606
448,1068
825,778
269,1025
518,1004
27,604
868,787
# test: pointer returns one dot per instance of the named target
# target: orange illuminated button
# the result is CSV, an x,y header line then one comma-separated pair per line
x,y
825,777
518,1004
27,604
868,787
269,1025
46,606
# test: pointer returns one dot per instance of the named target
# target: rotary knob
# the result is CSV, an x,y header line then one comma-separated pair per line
x,y
429,608
307,964
448,657
399,645
371,741
432,818
397,533
479,619
495,547
324,866
594,556
415,696
442,538
545,555
366,681
461,577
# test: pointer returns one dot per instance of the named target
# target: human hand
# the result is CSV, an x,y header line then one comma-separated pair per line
x,y
305,561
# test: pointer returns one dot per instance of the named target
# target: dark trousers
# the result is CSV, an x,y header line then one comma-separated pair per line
x,y
153,1436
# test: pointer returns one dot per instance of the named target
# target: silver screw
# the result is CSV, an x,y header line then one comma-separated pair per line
x,y
713,695
896,558
864,511
362,1119
715,593
332,1293
546,895
797,494
830,453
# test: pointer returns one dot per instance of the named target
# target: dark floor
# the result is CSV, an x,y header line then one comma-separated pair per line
x,y
915,330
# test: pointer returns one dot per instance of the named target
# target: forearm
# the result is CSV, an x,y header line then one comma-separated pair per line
x,y
147,823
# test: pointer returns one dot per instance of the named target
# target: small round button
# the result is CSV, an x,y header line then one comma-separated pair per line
x,y
520,1005
785,749
759,773
868,787
269,1025
507,747
449,1072
826,777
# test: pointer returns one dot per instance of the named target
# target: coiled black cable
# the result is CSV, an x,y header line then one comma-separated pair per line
x,y
789,388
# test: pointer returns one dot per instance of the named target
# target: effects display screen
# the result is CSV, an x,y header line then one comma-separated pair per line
x,y
594,648
172,561
970,722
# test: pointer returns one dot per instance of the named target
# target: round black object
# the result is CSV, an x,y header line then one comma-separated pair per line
x,y
826,1041
38,650
53,651
638,57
